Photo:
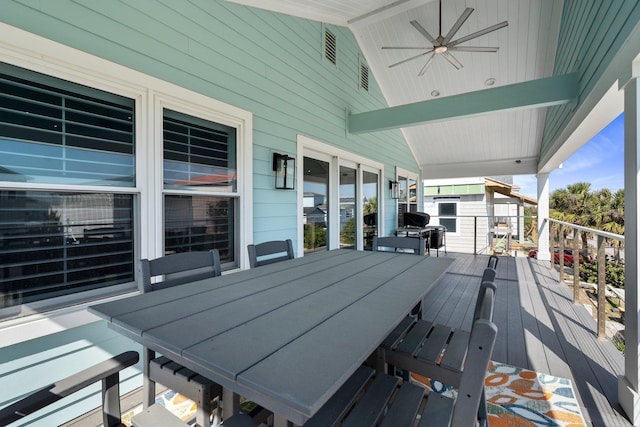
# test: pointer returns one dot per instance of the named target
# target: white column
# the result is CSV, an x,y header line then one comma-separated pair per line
x,y
543,215
628,384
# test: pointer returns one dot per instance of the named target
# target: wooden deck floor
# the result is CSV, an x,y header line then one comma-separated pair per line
x,y
539,328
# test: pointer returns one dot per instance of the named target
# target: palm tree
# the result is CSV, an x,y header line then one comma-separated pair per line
x,y
576,205
615,220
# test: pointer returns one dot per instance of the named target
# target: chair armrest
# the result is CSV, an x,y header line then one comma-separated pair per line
x,y
106,371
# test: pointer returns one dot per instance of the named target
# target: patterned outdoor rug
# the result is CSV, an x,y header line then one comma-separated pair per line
x,y
522,398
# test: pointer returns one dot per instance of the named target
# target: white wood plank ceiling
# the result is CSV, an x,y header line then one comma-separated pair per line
x,y
491,144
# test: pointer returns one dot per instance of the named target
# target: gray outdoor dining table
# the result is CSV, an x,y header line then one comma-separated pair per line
x,y
286,335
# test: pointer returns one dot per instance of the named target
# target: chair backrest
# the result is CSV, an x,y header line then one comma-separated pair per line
x,y
488,279
417,244
481,343
270,252
179,268
489,283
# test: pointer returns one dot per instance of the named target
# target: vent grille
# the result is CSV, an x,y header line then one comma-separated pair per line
x,y
330,46
364,77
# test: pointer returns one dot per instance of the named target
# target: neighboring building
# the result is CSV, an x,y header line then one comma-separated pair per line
x,y
481,215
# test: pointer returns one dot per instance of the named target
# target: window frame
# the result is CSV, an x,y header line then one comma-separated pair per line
x,y
33,52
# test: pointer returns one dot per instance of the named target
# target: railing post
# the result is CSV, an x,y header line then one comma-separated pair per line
x,y
576,266
602,305
475,235
550,224
560,252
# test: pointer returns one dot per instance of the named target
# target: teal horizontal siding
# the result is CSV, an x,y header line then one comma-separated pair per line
x,y
31,365
267,63
591,34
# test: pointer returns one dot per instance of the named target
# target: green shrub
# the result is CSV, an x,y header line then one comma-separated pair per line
x,y
614,272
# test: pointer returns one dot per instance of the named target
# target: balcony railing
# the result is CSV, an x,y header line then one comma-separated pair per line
x,y
601,259
517,236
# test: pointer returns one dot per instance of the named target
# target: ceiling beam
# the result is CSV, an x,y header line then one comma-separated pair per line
x,y
532,94
384,12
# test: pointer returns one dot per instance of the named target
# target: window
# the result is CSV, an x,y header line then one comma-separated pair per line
x,y
79,187
56,132
447,209
199,155
74,238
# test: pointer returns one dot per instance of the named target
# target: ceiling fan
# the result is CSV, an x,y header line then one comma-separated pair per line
x,y
444,45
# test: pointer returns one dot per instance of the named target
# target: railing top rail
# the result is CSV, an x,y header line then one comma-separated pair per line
x,y
605,234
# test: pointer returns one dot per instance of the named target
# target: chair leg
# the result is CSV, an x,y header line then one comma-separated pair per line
x,y
203,411
482,410
148,386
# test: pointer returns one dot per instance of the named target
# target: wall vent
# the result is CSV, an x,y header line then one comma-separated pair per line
x,y
364,77
330,46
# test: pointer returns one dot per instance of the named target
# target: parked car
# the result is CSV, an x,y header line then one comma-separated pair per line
x,y
568,256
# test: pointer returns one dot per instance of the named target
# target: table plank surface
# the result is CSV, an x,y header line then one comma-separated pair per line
x,y
285,335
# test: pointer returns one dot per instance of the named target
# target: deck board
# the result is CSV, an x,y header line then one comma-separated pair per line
x,y
539,328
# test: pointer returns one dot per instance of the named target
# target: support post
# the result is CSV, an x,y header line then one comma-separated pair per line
x,y
543,217
628,391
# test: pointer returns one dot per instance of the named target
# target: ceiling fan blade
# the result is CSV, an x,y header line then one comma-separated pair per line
x,y
479,33
447,55
474,48
426,66
409,59
407,47
452,32
424,32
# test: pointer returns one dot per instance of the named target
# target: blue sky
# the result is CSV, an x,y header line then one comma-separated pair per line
x,y
599,162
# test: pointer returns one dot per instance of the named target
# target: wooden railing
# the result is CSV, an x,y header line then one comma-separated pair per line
x,y
600,258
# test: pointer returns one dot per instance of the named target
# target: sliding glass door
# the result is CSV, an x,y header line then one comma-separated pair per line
x,y
348,226
370,215
316,204
339,195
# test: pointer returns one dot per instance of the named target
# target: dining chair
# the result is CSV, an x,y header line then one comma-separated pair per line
x,y
270,252
372,397
177,269
107,372
416,244
437,351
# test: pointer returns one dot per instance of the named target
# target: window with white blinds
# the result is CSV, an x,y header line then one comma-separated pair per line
x,y
58,243
199,155
55,131
70,239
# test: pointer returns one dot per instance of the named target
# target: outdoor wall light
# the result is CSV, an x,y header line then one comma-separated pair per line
x,y
393,189
285,171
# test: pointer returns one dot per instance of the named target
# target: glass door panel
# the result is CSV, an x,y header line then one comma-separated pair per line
x,y
348,227
369,208
316,204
